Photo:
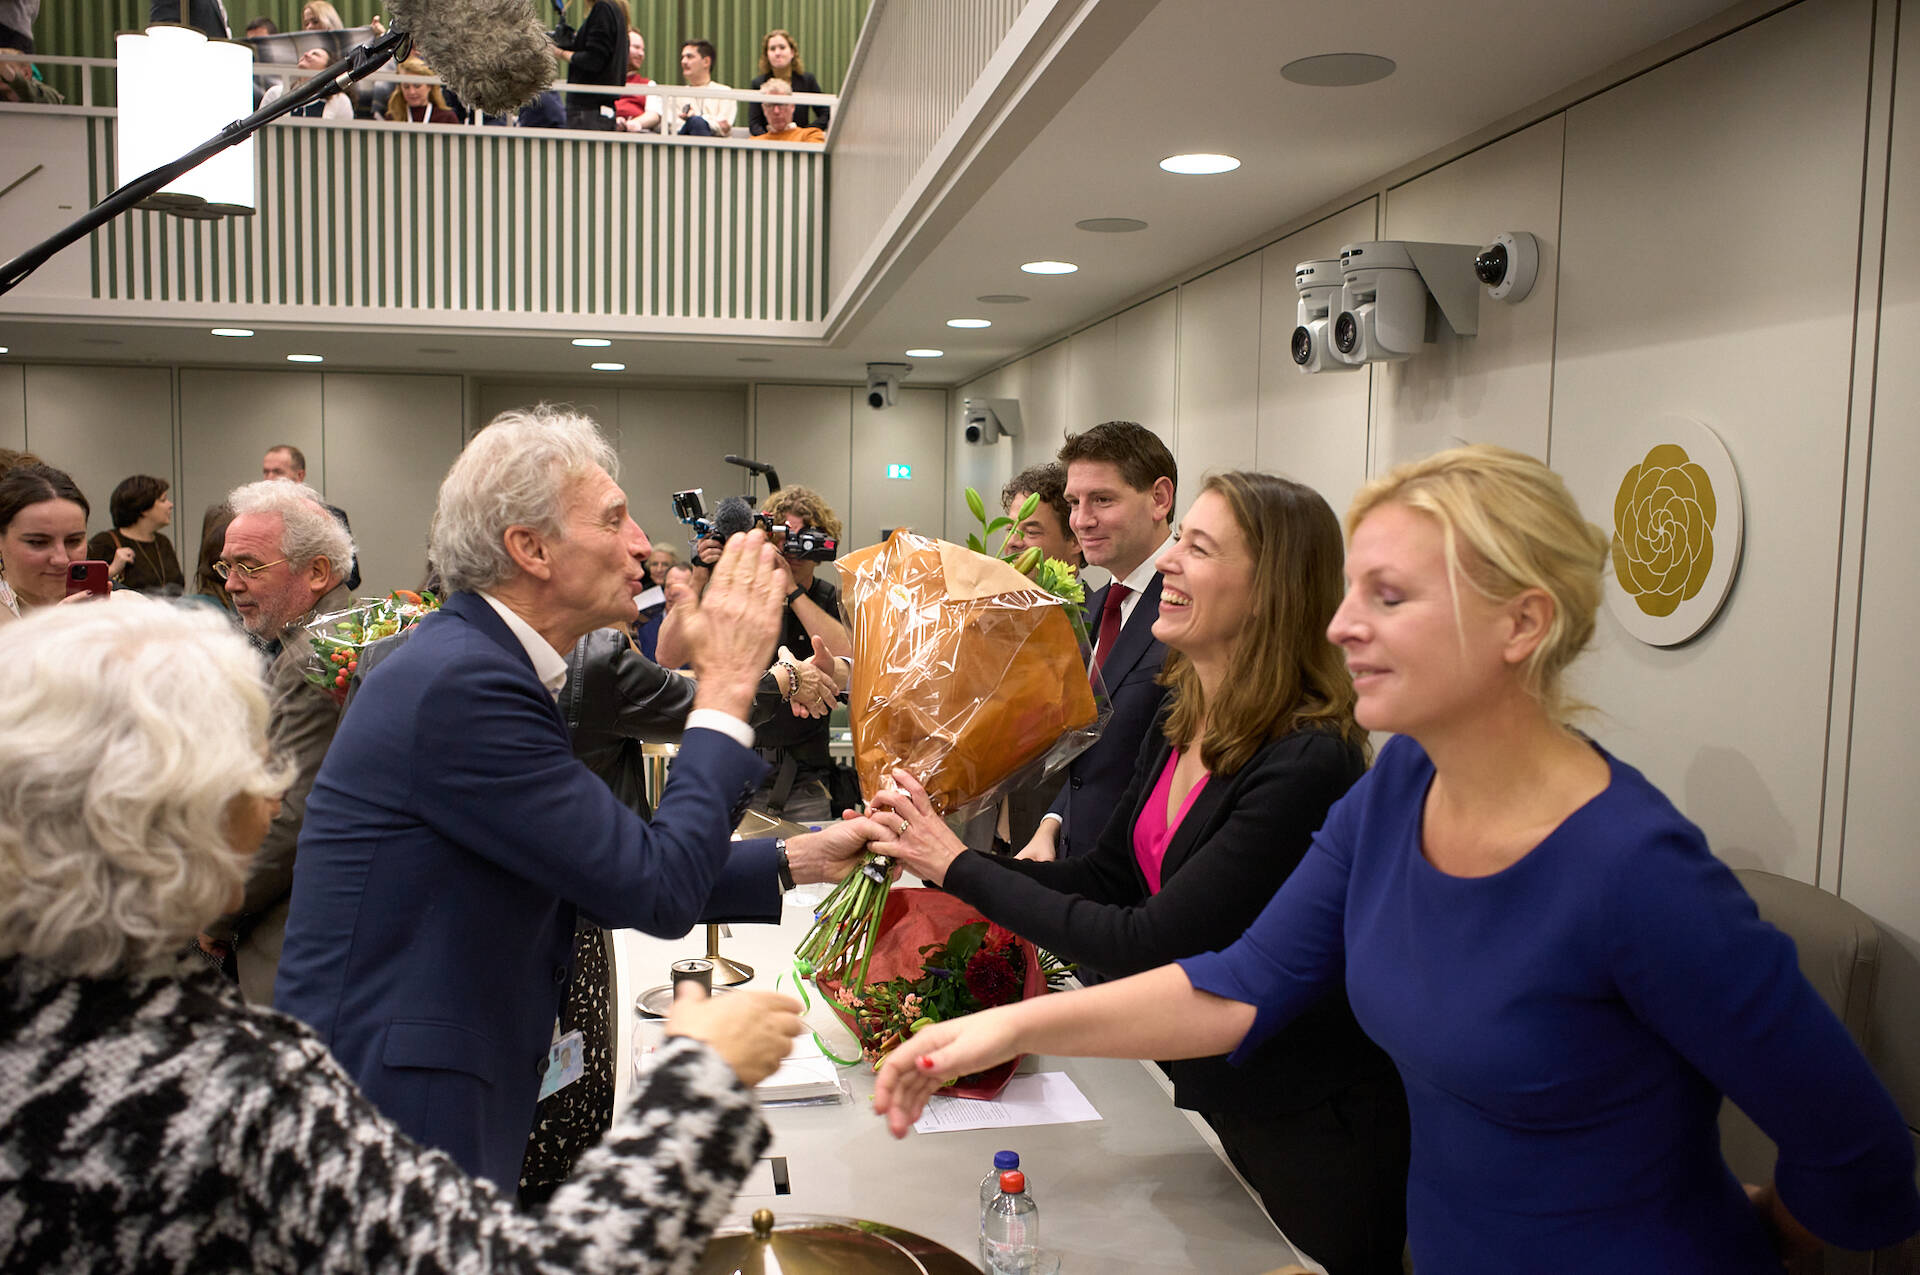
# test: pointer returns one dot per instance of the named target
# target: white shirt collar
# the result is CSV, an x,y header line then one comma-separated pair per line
x,y
548,665
1141,577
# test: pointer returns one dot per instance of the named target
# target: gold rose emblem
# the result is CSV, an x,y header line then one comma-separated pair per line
x,y
1663,530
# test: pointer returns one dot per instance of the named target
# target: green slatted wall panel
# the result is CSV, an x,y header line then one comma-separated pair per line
x,y
826,31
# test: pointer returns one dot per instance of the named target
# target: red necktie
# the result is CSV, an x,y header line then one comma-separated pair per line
x,y
1109,623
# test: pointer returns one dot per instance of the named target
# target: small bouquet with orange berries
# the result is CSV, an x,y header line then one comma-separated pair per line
x,y
339,638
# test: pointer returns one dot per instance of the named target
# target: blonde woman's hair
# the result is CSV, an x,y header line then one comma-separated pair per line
x,y
397,100
328,15
814,511
1508,524
131,727
1286,675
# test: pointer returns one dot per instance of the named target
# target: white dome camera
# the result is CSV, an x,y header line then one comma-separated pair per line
x,y
883,383
1319,285
1509,266
984,420
1383,314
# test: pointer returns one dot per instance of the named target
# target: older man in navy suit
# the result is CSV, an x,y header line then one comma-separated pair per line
x,y
452,836
1120,486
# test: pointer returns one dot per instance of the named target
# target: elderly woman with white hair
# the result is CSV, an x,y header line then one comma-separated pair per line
x,y
151,1120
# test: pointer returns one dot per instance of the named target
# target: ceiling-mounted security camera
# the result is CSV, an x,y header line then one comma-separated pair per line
x,y
1509,266
883,382
1393,293
984,420
1319,284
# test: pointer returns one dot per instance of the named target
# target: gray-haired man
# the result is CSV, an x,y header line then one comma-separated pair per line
x,y
282,563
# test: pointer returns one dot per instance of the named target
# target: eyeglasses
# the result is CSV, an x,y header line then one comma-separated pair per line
x,y
223,568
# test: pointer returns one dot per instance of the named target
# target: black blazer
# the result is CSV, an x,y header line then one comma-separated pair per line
x,y
1097,778
1242,838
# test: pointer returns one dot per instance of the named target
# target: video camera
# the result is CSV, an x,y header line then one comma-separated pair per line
x,y
809,544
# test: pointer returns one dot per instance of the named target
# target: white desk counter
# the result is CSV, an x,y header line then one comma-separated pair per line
x,y
1140,1190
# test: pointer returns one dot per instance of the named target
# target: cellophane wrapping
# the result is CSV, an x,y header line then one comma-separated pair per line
x,y
338,638
966,674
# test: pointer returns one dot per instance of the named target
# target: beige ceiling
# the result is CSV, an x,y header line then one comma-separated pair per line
x,y
1193,75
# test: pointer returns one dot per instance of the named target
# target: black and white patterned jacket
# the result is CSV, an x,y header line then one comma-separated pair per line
x,y
159,1125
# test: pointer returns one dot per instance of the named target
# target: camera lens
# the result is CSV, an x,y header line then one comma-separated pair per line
x,y
973,433
875,399
1302,346
1346,332
1490,267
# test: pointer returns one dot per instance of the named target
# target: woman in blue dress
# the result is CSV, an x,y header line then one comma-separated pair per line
x,y
1567,979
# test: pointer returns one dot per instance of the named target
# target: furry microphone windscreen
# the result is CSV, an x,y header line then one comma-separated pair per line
x,y
734,514
493,53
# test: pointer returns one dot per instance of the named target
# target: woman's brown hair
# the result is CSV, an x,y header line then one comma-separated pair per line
x,y
1286,675
793,68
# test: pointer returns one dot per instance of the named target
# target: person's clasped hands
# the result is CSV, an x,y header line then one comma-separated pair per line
x,y
903,824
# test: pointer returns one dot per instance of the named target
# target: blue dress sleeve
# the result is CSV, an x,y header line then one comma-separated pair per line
x,y
1296,947
1695,962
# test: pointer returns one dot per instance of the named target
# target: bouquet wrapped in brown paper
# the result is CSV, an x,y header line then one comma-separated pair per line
x,y
966,674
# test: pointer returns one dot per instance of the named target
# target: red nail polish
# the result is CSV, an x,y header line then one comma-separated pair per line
x,y
926,1063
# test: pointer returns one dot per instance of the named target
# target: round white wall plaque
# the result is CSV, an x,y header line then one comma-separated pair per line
x,y
1677,528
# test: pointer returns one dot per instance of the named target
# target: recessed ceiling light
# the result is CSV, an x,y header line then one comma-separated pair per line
x,y
1049,267
1199,165
926,354
3,349
969,323
233,331
592,342
1338,70
1111,225
755,358
1001,298
306,358
609,367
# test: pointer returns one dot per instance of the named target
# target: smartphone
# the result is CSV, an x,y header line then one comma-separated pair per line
x,y
88,577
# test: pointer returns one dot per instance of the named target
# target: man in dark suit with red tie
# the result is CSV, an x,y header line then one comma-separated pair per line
x,y
1120,484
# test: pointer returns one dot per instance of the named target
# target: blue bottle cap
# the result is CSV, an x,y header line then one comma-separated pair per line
x,y
1004,1160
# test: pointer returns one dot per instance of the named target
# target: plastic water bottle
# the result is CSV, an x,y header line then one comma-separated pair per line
x,y
1011,1230
990,1185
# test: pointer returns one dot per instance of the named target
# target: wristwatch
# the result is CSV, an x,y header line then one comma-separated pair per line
x,y
781,866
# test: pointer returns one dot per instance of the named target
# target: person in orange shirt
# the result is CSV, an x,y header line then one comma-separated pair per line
x,y
780,118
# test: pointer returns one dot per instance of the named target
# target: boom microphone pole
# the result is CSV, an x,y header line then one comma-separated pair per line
x,y
350,70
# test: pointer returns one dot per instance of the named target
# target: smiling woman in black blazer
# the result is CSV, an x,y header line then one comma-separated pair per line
x,y
1258,741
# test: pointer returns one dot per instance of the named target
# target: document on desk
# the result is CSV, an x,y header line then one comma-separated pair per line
x,y
1044,1097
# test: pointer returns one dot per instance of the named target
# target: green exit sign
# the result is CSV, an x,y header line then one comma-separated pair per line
x,y
899,471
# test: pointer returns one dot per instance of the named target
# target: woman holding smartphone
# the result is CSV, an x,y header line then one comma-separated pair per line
x,y
43,529
1567,978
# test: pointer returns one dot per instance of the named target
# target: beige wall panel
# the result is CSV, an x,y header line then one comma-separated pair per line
x,y
1693,196
1496,387
1146,371
1312,429
228,419
911,432
103,424
1092,376
806,432
599,400
1043,406
673,439
1219,376
13,406
390,441
1881,871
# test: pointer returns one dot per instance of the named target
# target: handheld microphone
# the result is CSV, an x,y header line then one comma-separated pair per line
x,y
490,52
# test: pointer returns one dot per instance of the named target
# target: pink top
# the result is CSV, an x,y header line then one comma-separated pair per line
x,y
1152,831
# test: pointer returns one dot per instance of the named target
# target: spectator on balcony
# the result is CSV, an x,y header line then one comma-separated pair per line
x,y
700,116
640,114
418,103
595,53
16,24
779,118
317,15
21,82
260,26
208,16
780,60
